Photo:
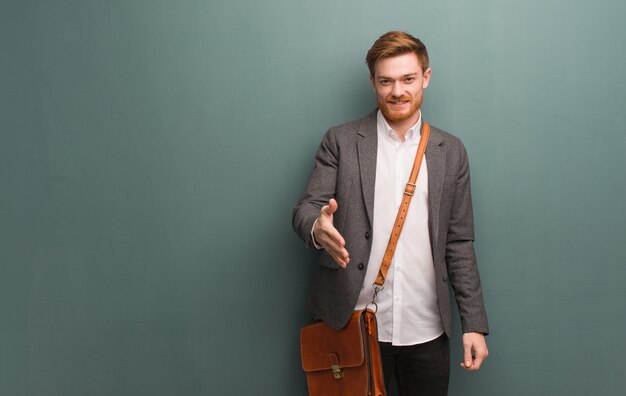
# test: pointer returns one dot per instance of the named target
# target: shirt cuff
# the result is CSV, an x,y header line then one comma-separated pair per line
x,y
315,245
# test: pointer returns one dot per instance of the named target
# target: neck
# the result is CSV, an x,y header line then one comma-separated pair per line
x,y
402,127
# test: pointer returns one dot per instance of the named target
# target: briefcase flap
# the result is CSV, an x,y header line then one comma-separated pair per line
x,y
322,345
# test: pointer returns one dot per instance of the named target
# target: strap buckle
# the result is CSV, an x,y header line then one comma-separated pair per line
x,y
409,189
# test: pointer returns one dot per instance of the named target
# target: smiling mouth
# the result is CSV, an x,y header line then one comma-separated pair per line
x,y
398,100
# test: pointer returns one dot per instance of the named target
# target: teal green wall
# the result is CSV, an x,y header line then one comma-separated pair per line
x,y
151,151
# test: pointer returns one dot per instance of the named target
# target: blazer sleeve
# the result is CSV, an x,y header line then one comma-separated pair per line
x,y
320,188
460,257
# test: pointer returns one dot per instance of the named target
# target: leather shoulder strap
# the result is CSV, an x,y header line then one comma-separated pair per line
x,y
404,208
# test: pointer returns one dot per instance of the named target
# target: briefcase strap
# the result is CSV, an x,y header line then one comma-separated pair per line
x,y
409,190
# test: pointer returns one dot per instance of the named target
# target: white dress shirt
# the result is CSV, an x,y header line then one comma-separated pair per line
x,y
408,311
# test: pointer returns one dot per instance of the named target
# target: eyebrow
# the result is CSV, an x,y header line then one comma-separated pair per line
x,y
404,76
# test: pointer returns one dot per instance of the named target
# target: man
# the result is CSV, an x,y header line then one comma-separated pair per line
x,y
349,207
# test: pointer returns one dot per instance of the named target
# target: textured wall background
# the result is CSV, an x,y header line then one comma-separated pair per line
x,y
151,151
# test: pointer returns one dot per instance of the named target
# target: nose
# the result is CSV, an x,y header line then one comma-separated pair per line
x,y
396,90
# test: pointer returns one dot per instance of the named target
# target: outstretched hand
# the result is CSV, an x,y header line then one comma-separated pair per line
x,y
327,236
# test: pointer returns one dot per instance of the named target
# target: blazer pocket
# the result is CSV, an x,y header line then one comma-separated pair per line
x,y
327,261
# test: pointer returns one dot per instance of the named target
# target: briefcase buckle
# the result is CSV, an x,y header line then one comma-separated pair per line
x,y
334,365
337,372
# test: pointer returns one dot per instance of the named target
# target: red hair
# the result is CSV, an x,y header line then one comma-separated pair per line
x,y
396,43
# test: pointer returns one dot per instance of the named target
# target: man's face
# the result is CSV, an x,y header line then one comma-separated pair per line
x,y
399,85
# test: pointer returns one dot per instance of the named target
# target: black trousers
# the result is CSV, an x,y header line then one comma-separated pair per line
x,y
418,370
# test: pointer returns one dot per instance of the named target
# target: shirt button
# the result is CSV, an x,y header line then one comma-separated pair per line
x,y
360,266
367,235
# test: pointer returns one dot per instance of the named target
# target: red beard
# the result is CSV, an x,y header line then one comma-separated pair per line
x,y
396,116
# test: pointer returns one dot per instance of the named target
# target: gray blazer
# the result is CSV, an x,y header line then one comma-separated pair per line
x,y
345,169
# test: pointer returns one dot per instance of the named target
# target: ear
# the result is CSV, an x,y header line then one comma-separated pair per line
x,y
427,75
373,83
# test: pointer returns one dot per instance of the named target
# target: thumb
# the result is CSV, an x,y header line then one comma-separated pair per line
x,y
331,208
467,356
332,205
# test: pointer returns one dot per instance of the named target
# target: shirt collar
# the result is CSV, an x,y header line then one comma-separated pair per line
x,y
411,135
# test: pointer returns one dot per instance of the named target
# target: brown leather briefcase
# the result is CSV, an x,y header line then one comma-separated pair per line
x,y
343,362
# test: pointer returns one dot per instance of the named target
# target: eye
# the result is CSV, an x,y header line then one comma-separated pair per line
x,y
385,82
409,79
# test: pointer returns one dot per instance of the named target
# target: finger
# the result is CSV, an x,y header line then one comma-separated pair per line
x,y
336,237
478,360
330,235
335,249
479,357
342,263
332,247
326,231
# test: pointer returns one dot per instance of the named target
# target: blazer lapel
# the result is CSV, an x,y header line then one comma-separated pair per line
x,y
367,146
436,163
